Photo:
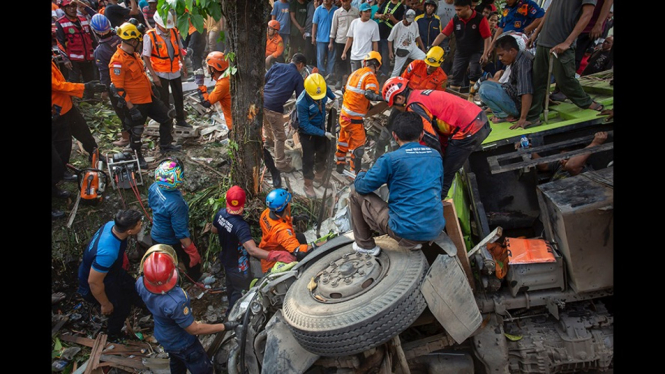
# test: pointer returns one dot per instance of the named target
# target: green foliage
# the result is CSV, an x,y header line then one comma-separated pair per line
x,y
194,11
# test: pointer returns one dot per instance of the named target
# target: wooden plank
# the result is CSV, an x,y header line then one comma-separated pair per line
x,y
78,340
62,321
124,361
454,231
95,353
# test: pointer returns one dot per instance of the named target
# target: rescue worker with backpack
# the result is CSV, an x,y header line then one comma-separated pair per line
x,y
217,64
162,55
108,44
462,122
175,327
170,215
277,229
311,109
132,85
361,87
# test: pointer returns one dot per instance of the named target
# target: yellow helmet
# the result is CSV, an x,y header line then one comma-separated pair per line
x,y
373,55
434,57
315,85
127,31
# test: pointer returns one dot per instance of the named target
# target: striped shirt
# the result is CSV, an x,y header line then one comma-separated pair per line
x,y
520,81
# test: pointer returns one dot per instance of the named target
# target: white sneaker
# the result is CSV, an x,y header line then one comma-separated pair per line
x,y
374,251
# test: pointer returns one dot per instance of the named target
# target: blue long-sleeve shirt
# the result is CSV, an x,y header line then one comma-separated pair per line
x,y
170,215
316,109
280,82
414,175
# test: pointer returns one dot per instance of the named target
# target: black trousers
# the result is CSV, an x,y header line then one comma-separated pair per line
x,y
461,62
196,46
121,292
310,51
71,124
83,71
157,111
57,166
342,67
314,154
176,90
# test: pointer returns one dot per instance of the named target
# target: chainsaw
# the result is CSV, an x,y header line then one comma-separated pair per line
x,y
92,181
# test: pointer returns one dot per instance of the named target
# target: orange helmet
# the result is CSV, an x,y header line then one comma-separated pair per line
x,y
217,60
393,87
274,24
159,267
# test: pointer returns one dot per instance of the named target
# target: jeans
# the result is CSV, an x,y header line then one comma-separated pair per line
x,y
385,57
492,94
322,52
193,358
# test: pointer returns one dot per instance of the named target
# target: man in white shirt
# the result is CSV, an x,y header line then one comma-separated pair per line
x,y
362,37
404,42
341,21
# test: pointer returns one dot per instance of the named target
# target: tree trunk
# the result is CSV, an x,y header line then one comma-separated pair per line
x,y
246,37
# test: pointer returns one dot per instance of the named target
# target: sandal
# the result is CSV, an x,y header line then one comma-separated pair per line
x,y
599,107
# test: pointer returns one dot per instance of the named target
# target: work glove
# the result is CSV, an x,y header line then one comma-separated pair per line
x,y
329,135
280,256
94,86
135,114
373,96
230,325
194,257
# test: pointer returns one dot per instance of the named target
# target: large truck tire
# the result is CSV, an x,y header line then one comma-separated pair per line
x,y
374,299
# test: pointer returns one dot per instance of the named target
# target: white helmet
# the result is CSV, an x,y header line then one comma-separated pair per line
x,y
170,20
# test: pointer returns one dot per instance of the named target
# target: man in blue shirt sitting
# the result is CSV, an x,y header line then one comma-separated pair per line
x,y
414,175
281,80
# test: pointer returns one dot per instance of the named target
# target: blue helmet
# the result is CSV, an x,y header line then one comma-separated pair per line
x,y
278,199
100,24
169,174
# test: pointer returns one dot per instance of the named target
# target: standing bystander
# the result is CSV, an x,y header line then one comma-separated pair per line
x,y
280,12
339,28
362,38
404,40
298,15
389,14
321,24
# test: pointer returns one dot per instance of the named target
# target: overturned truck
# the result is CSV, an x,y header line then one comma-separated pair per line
x,y
455,307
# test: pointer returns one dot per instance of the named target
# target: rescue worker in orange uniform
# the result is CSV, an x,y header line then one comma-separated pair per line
x,y
162,48
67,121
74,34
422,75
132,85
217,64
277,229
274,44
361,87
466,123
427,74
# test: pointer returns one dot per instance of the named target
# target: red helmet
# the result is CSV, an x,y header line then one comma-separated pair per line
x,y
160,274
64,3
274,24
392,88
217,60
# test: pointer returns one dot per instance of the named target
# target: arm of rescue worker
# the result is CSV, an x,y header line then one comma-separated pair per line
x,y
287,239
98,290
575,164
200,328
280,49
376,176
408,72
445,32
64,87
62,44
145,56
222,94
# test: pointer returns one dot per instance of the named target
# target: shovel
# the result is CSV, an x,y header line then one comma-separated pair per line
x,y
549,83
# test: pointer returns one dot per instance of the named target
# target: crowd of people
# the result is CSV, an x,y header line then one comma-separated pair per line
x,y
413,57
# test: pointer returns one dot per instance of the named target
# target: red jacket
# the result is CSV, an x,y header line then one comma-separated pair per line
x,y
79,40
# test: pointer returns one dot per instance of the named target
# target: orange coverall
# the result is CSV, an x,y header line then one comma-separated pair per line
x,y
222,94
418,78
278,235
274,45
354,108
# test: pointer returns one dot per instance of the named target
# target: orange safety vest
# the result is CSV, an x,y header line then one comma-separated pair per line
x,y
79,40
274,45
418,78
355,104
62,91
278,235
127,73
159,56
221,95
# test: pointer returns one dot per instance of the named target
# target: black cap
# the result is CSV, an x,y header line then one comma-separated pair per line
x,y
299,58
